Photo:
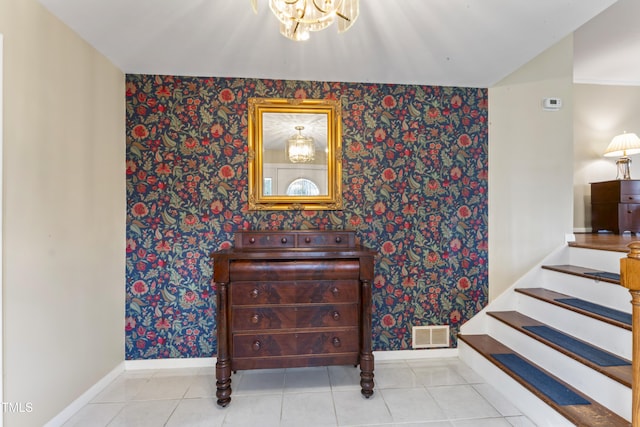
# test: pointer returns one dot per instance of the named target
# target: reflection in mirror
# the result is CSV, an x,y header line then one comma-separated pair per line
x,y
303,187
295,156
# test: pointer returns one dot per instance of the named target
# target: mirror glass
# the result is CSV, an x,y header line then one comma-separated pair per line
x,y
295,156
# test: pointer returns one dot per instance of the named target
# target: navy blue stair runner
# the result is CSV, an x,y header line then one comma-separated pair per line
x,y
600,310
545,384
604,275
589,352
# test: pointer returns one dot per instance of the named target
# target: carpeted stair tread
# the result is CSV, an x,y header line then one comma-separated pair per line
x,y
609,364
591,414
589,273
608,315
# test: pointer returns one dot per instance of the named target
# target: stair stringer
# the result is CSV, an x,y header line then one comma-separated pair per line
x,y
597,386
508,299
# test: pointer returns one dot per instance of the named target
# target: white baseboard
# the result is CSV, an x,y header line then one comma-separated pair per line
x,y
210,362
435,353
85,397
198,362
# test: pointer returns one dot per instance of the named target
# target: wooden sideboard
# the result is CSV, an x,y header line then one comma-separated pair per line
x,y
615,206
293,299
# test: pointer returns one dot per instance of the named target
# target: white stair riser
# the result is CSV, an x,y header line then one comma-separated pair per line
x,y
596,291
529,404
595,259
608,337
599,387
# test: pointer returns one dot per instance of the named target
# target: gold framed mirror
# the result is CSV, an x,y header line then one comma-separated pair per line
x,y
295,154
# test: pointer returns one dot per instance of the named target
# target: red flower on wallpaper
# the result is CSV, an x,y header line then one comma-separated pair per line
x,y
139,287
140,132
389,101
464,140
464,283
139,210
388,174
464,212
388,248
388,321
226,96
226,172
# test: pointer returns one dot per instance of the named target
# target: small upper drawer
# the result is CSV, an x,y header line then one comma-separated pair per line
x,y
262,240
294,239
333,239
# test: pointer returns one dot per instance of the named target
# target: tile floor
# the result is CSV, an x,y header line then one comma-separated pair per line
x,y
416,392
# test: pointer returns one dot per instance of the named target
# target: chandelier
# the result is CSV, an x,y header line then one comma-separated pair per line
x,y
298,17
300,149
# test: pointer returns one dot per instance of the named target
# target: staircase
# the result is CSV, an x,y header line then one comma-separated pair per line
x,y
559,342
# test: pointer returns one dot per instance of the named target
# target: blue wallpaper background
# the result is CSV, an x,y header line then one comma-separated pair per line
x,y
415,169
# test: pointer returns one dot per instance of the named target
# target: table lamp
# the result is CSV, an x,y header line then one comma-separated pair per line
x,y
624,145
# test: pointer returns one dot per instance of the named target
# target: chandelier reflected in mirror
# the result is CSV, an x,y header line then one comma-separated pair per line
x,y
300,148
299,17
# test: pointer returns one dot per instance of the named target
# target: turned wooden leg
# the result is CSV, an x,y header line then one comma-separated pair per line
x,y
223,382
366,374
223,364
366,355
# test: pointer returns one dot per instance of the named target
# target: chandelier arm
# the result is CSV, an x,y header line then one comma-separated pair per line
x,y
315,4
342,16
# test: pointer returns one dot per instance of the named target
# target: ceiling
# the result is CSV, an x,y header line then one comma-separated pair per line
x,y
435,42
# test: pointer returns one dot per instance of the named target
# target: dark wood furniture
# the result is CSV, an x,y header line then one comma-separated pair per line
x,y
615,206
293,299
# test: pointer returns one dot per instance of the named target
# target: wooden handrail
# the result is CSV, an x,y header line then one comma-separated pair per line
x,y
630,279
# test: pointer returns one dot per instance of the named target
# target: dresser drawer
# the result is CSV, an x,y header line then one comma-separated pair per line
x,y
307,316
326,240
296,343
242,270
264,240
301,292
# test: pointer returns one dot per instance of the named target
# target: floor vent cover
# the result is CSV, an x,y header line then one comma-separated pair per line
x,y
430,336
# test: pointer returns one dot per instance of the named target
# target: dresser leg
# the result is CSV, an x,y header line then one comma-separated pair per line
x,y
223,383
366,374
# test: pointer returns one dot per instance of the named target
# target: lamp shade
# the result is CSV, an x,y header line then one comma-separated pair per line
x,y
625,144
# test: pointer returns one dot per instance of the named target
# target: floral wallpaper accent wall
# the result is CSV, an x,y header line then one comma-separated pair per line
x,y
415,189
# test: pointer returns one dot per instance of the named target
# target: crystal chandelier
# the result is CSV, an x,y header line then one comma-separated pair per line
x,y
300,149
298,17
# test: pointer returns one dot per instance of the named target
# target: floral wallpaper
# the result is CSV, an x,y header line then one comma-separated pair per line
x,y
415,189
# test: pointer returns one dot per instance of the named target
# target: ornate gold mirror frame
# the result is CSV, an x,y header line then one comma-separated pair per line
x,y
295,154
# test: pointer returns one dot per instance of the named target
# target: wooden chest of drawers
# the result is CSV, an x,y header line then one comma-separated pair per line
x,y
293,299
615,206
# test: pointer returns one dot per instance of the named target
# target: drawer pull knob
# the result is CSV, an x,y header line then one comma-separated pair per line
x,y
252,240
335,291
256,346
336,315
307,239
283,240
338,239
336,342
255,319
254,293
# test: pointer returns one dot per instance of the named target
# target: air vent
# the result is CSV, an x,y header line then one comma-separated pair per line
x,y
430,336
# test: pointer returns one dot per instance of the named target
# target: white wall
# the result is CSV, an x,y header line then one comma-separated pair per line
x,y
600,113
64,213
530,165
